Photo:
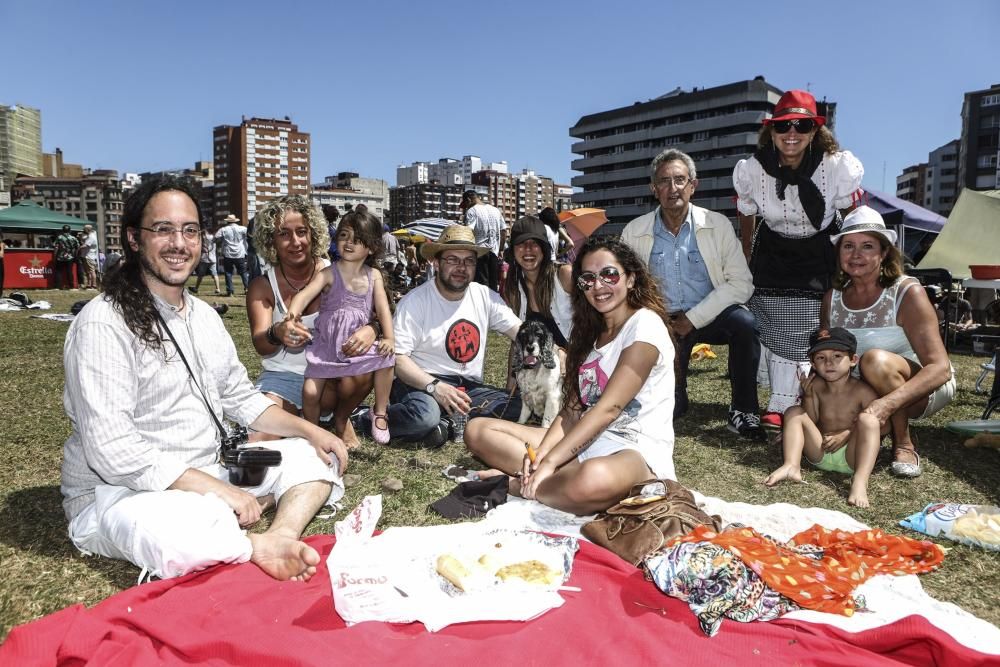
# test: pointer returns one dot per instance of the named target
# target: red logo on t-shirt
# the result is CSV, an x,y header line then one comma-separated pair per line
x,y
462,341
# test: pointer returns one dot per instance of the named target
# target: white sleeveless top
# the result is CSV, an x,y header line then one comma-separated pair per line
x,y
561,307
875,327
285,360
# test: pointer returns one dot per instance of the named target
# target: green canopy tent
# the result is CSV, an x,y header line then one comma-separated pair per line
x,y
27,216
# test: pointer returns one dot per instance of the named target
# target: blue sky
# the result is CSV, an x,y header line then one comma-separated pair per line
x,y
138,86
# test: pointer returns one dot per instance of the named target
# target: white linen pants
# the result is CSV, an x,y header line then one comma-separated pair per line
x,y
170,533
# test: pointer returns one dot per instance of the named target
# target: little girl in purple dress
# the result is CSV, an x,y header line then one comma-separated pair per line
x,y
350,287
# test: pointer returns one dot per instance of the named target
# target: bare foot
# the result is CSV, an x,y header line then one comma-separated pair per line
x,y
790,472
859,496
284,558
514,486
266,502
347,434
492,472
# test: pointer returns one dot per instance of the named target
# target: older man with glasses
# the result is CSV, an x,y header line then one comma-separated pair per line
x,y
441,329
699,263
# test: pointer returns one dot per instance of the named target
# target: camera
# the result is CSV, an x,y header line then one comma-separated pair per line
x,y
247,465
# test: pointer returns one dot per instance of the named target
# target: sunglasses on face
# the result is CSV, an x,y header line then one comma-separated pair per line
x,y
801,125
609,275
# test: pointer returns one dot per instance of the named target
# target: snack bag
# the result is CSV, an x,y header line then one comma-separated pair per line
x,y
362,586
976,525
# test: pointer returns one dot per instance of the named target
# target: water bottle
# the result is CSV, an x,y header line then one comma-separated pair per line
x,y
459,420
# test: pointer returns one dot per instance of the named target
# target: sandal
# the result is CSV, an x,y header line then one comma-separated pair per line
x,y
380,435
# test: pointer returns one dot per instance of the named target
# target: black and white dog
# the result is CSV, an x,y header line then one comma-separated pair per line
x,y
536,368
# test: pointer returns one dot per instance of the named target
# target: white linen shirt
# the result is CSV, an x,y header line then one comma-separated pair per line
x,y
138,420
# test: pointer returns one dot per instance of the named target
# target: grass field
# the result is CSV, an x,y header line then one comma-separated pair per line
x,y
42,572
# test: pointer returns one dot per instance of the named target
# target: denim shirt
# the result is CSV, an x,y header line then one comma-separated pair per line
x,y
678,265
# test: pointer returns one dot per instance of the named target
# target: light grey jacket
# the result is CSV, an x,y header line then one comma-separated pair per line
x,y
723,254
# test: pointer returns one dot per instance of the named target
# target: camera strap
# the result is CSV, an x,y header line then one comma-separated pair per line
x,y
180,353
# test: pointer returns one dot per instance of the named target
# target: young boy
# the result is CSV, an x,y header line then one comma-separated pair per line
x,y
830,426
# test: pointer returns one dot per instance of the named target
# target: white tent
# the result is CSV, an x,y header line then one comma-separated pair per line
x,y
972,235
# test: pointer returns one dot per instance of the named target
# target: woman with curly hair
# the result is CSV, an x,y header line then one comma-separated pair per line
x,y
291,234
799,182
616,426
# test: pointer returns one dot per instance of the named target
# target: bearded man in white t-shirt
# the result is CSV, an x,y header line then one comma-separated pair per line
x,y
441,329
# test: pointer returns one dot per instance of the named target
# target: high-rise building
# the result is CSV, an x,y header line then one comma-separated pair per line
x,y
533,193
424,200
910,184
502,191
715,126
256,161
979,147
96,198
20,141
941,178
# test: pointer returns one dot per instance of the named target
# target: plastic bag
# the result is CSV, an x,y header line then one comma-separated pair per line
x,y
975,525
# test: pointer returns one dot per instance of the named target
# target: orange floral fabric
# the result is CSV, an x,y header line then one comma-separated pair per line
x,y
826,584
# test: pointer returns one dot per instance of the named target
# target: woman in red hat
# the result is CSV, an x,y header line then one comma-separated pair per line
x,y
797,183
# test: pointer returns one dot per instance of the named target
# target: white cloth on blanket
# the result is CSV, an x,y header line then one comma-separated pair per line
x,y
889,597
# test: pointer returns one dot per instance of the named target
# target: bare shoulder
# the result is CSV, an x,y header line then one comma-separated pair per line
x,y
260,290
565,275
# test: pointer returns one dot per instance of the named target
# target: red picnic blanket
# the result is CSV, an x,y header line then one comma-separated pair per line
x,y
238,615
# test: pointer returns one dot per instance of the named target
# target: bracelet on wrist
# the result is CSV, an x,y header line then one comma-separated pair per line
x,y
271,338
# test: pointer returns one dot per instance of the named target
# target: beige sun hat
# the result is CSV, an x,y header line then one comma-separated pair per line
x,y
453,237
230,218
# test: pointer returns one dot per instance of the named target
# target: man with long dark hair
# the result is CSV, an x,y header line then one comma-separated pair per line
x,y
150,372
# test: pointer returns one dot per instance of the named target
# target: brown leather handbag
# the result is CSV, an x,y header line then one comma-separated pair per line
x,y
639,525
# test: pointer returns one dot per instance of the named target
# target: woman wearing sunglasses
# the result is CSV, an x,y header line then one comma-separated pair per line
x,y
615,429
796,183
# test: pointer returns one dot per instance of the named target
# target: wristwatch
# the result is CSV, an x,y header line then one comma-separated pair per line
x,y
431,387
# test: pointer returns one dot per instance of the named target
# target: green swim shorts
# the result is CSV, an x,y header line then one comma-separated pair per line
x,y
834,462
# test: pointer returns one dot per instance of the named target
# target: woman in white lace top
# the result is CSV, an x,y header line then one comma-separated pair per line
x,y
902,355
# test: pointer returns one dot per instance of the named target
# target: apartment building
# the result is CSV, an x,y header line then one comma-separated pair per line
x,y
716,126
941,185
256,161
96,197
424,200
979,145
20,141
910,184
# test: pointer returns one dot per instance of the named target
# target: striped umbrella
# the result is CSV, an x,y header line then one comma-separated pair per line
x,y
426,229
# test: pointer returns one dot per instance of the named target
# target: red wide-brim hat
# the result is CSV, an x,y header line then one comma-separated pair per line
x,y
796,104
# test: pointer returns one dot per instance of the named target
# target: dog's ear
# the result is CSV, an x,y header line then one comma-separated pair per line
x,y
548,356
516,364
